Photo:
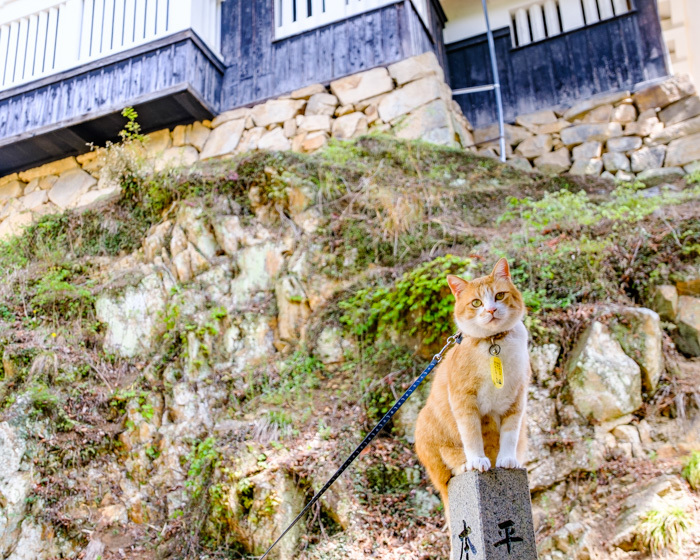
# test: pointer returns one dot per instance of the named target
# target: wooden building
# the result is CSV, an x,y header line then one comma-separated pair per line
x,y
68,67
552,52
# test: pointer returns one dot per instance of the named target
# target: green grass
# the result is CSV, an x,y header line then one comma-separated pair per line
x,y
691,470
662,528
566,210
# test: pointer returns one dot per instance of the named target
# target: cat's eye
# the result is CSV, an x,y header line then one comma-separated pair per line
x,y
500,296
476,303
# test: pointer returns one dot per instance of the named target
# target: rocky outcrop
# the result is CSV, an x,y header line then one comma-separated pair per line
x,y
133,318
658,495
688,321
680,304
560,441
15,486
220,374
638,330
604,382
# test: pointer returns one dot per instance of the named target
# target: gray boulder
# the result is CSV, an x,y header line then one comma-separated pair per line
x,y
603,381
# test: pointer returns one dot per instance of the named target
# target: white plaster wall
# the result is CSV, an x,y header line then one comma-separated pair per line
x,y
680,21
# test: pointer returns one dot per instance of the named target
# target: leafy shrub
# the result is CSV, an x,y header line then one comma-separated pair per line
x,y
419,302
56,292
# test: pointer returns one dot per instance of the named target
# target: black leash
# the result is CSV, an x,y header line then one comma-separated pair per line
x,y
454,339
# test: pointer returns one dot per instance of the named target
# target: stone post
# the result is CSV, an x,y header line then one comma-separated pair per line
x,y
491,516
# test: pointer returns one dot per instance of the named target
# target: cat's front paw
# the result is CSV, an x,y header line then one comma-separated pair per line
x,y
508,463
473,464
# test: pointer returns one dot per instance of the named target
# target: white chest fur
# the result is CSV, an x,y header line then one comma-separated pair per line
x,y
515,360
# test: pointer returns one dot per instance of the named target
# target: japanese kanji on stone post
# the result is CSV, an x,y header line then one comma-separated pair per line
x,y
491,516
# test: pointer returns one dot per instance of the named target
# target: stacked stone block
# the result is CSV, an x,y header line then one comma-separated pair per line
x,y
652,135
409,99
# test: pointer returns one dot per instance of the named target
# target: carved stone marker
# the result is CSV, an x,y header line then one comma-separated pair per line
x,y
491,516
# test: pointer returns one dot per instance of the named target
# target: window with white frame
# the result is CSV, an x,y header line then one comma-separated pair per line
x,y
296,16
552,17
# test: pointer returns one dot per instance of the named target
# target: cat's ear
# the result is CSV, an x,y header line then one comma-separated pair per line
x,y
501,270
457,285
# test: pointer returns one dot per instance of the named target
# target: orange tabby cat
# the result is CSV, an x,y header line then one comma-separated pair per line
x,y
468,422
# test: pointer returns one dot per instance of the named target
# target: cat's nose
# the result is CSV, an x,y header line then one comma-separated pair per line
x,y
492,310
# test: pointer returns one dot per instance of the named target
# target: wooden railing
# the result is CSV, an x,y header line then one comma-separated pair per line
x,y
296,16
43,37
552,17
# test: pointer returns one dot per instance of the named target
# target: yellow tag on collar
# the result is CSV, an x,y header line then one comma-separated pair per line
x,y
497,372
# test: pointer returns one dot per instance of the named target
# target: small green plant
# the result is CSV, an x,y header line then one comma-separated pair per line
x,y
6,313
419,302
662,528
218,313
49,404
299,375
560,208
324,431
132,129
386,478
375,390
120,399
55,292
202,461
281,419
691,470
152,452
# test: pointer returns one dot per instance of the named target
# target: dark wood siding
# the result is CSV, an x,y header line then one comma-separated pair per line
x,y
55,117
437,24
259,68
610,55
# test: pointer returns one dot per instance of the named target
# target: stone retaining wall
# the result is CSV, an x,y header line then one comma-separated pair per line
x,y
409,99
652,135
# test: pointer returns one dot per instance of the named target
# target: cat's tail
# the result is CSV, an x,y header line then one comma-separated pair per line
x,y
429,455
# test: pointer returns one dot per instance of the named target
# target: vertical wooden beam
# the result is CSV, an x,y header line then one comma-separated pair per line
x,y
621,6
552,17
571,14
129,22
523,27
41,36
21,49
98,18
590,9
85,33
537,22
51,47
29,65
4,51
605,8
